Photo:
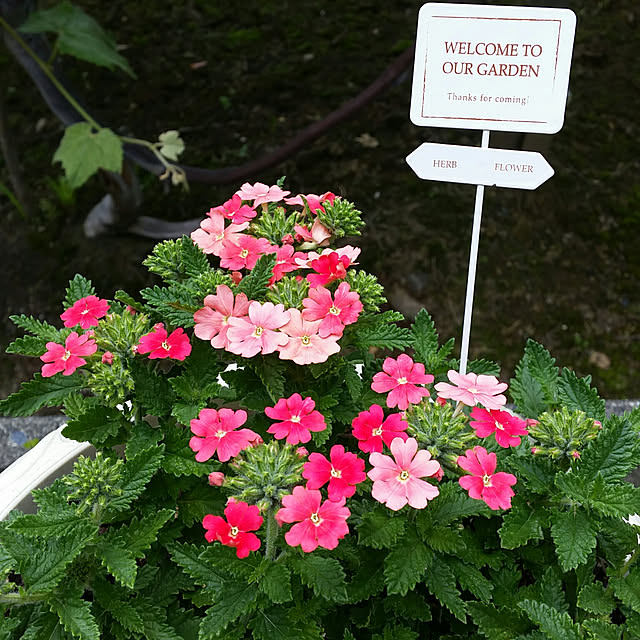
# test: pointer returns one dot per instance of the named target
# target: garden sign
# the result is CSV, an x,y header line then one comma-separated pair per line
x,y
490,68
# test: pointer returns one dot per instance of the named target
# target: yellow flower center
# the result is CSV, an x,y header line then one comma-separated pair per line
x,y
404,476
402,380
377,432
306,340
220,236
221,434
244,253
333,309
67,355
336,473
295,419
233,532
258,332
165,345
315,518
486,480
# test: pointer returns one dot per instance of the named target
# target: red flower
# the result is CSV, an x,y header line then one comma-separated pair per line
x,y
298,418
343,472
215,431
371,429
484,484
85,312
234,210
234,531
506,426
319,525
334,313
401,377
160,345
69,357
328,267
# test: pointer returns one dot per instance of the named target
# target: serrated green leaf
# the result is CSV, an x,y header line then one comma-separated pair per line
x,y
601,630
497,623
484,367
79,287
189,558
28,346
83,151
50,525
138,535
538,473
441,582
554,624
444,539
596,599
271,374
179,459
574,535
177,260
406,565
577,394
412,606
275,583
75,613
528,395
424,337
77,34
519,525
379,529
41,392
353,381
96,425
471,579
196,503
114,599
383,334
628,588
119,561
324,575
173,304
255,284
172,144
37,327
153,392
534,387
233,601
274,624
452,504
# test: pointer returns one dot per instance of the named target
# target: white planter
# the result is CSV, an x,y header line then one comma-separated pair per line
x,y
51,458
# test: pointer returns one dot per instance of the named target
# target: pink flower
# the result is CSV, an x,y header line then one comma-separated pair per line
x,y
397,482
85,312
304,345
261,193
313,201
298,418
334,313
285,262
401,377
215,431
69,357
212,236
506,426
257,332
371,429
471,389
319,234
348,252
484,484
244,253
319,525
107,358
343,472
160,345
212,322
328,268
216,478
234,210
234,531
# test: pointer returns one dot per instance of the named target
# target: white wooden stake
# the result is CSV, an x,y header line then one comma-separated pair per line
x,y
473,262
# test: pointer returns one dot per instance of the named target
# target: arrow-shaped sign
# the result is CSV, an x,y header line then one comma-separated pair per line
x,y
478,165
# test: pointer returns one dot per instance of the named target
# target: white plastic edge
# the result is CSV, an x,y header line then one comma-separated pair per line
x,y
52,457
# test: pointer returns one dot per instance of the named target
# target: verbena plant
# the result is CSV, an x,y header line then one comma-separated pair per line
x,y
279,459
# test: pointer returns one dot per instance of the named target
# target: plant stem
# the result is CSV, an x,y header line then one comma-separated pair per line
x,y
272,534
458,410
19,599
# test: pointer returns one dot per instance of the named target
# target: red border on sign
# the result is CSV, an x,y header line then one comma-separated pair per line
x,y
424,84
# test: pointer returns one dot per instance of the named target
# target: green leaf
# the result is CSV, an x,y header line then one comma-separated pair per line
x,y
471,579
188,557
28,346
179,459
138,535
153,391
574,535
353,381
628,588
406,565
41,392
556,625
119,561
233,601
75,613
324,575
80,287
275,583
172,144
497,623
424,338
519,525
536,380
383,334
97,425
379,529
177,259
83,151
175,305
37,327
452,504
484,367
114,599
441,582
50,525
77,34
577,393
255,284
538,472
274,624
271,373
527,394
596,599
601,630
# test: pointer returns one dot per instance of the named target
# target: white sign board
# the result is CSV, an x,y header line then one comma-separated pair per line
x,y
475,165
492,67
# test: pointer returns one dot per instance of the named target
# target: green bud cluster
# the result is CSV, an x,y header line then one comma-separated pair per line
x,y
94,482
264,474
341,218
563,434
112,383
368,288
289,291
274,224
445,435
119,331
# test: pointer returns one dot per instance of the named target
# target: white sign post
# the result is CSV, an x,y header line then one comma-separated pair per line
x,y
491,68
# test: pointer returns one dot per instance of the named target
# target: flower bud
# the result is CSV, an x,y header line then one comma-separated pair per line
x,y
107,358
216,478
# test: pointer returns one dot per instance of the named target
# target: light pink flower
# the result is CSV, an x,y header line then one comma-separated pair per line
x,y
85,312
401,378
215,431
334,313
471,389
297,417
69,357
234,531
261,193
304,345
349,252
319,524
314,202
485,484
212,322
343,472
160,345
216,478
258,331
506,426
244,253
286,261
319,235
397,481
107,358
212,236
371,429
234,210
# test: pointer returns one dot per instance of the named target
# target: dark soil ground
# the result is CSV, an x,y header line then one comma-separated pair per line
x,y
558,264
